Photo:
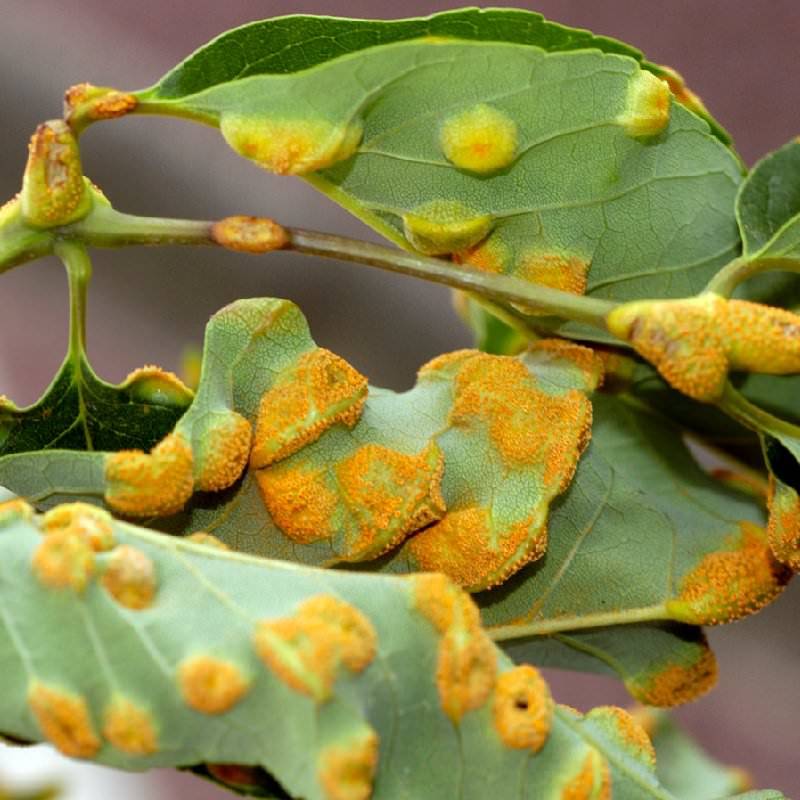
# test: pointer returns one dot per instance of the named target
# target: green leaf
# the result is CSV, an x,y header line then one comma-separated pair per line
x,y
81,412
137,650
683,767
768,206
590,175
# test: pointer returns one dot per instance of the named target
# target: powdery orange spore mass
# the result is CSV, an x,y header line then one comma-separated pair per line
x,y
64,720
14,510
390,494
158,483
211,685
491,255
592,781
130,578
130,728
522,709
64,560
321,391
730,584
88,521
676,684
783,528
627,730
347,771
221,454
564,272
249,234
761,338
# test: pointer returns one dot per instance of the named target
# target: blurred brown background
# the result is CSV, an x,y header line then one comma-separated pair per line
x,y
146,305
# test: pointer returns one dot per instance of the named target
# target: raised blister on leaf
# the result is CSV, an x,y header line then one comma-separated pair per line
x,y
130,577
249,234
220,446
479,139
64,720
211,685
88,521
347,770
647,109
628,732
152,385
291,146
320,391
445,226
522,709
130,728
64,560
157,483
730,584
783,528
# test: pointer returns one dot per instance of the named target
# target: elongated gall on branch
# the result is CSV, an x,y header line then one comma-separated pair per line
x,y
88,521
54,191
85,103
647,110
479,139
211,685
64,720
675,684
64,560
445,226
522,709
130,728
249,234
347,770
130,578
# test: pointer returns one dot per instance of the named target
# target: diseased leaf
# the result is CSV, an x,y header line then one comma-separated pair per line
x,y
768,206
570,168
385,686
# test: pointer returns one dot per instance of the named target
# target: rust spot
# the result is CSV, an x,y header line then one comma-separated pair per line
x,y
648,105
306,650
442,227
683,94
155,484
249,234
130,578
676,684
321,391
151,384
592,781
130,728
522,709
761,338
211,685
627,730
15,510
64,719
491,255
221,452
479,139
87,102
730,584
91,523
567,273
783,528
347,771
64,560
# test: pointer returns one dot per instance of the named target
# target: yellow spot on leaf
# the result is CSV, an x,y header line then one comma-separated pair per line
x,y
676,684
730,584
306,650
445,226
321,391
647,110
481,139
211,685
88,521
592,781
64,720
130,578
222,451
522,709
155,484
291,146
249,234
15,510
627,730
347,771
491,255
783,528
64,559
130,728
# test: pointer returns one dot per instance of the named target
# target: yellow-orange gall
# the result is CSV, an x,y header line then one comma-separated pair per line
x,y
441,227
591,781
211,685
390,494
291,146
249,234
306,649
347,770
207,540
682,93
155,386
64,720
299,501
158,483
130,578
479,139
130,728
64,560
564,272
84,102
491,255
322,390
681,338
627,730
522,708
761,338
221,453
731,583
15,510
676,683
783,528
648,105
88,521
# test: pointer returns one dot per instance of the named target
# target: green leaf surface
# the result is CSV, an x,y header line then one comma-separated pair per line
x,y
768,206
81,412
186,660
593,176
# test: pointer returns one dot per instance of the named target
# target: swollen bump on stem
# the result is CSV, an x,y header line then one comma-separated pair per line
x,y
85,103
